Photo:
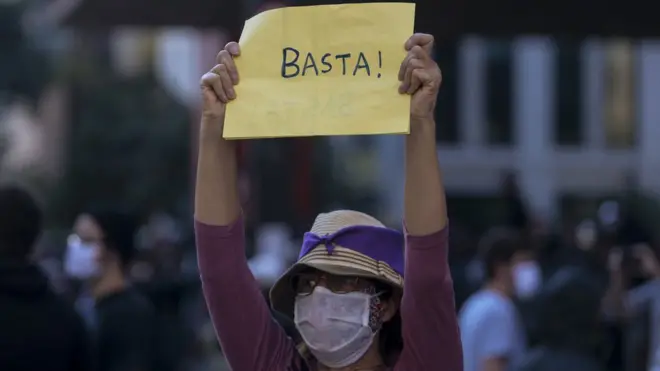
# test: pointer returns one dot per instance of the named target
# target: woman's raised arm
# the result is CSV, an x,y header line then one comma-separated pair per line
x,y
216,189
250,338
430,328
425,208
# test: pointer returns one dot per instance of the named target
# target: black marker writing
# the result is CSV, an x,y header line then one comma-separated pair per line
x,y
310,63
362,63
294,66
343,61
324,61
286,63
380,62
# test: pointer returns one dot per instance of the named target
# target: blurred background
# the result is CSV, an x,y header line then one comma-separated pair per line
x,y
548,122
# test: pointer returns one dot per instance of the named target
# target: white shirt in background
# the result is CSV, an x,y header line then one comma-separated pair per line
x,y
490,327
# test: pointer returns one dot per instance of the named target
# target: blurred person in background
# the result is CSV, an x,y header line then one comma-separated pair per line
x,y
274,253
343,295
581,244
629,311
527,274
634,299
121,319
39,331
568,327
159,277
516,216
491,328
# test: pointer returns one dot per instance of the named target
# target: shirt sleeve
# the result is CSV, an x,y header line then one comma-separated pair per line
x,y
251,340
431,338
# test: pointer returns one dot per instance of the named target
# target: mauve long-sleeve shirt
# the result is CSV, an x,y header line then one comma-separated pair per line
x,y
252,341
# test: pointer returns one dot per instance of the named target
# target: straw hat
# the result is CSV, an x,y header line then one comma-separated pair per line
x,y
375,252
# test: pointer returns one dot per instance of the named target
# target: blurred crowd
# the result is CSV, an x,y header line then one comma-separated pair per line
x,y
585,297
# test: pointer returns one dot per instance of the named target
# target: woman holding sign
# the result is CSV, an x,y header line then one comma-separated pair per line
x,y
357,304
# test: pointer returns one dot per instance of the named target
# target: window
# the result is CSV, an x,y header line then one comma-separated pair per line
x,y
568,93
447,107
619,100
499,91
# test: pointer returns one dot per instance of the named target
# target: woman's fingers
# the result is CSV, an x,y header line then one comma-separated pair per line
x,y
233,48
223,86
416,59
425,41
225,58
414,68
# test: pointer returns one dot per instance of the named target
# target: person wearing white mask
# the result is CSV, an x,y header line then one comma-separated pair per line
x,y
491,327
355,301
274,253
122,320
527,275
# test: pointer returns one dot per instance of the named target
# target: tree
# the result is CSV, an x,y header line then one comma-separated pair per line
x,y
129,146
24,70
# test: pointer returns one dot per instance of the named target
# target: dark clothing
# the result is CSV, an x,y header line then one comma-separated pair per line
x,y
548,359
126,332
166,295
566,325
39,331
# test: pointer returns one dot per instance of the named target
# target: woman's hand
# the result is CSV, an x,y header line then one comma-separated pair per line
x,y
217,87
420,76
425,207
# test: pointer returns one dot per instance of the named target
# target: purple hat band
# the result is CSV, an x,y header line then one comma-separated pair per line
x,y
380,244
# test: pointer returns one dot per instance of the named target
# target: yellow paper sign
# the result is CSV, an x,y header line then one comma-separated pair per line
x,y
322,70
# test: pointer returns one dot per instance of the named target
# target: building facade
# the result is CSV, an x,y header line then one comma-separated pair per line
x,y
569,117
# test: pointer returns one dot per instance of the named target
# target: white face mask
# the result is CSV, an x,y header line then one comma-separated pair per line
x,y
80,259
527,278
335,327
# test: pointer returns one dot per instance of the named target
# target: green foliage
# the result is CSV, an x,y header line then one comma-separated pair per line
x,y
129,146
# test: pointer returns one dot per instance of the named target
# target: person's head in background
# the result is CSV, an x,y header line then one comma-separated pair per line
x,y
21,221
100,249
568,311
509,267
160,244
